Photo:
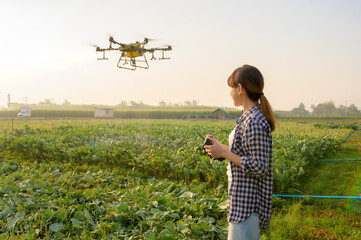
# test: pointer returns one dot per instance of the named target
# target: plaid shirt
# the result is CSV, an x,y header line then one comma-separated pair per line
x,y
251,187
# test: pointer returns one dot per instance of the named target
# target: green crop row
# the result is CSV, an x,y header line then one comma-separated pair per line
x,y
293,155
347,125
57,201
160,150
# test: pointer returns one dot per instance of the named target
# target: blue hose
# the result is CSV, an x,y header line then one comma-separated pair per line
x,y
338,160
330,197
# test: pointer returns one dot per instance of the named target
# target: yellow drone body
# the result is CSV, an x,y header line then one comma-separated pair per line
x,y
134,53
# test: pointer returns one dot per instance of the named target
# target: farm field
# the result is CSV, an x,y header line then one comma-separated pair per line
x,y
149,179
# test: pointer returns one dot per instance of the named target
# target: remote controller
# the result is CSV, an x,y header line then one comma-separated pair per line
x,y
208,141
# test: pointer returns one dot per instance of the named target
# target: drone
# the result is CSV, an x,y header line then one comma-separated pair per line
x,y
132,54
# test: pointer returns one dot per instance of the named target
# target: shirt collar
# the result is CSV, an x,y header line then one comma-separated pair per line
x,y
247,114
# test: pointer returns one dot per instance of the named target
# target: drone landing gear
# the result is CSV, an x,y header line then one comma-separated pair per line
x,y
123,60
103,58
163,58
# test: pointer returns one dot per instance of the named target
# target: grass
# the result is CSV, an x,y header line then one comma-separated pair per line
x,y
333,178
318,117
302,221
323,218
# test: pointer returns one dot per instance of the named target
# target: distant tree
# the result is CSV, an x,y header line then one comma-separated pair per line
x,y
139,105
324,109
123,104
133,104
188,103
46,101
162,104
313,107
300,110
66,103
352,110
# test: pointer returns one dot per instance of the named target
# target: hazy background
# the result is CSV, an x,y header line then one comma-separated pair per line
x,y
308,51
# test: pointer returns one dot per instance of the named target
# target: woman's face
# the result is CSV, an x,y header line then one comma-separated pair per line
x,y
235,94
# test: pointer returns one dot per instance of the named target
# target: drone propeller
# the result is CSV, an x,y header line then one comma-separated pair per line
x,y
109,35
147,39
152,39
97,48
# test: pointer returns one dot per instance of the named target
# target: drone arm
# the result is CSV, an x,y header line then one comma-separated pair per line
x,y
169,48
111,40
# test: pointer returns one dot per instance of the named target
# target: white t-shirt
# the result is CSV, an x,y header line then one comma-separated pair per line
x,y
229,173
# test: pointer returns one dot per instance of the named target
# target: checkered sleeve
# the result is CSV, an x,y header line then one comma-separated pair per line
x,y
258,149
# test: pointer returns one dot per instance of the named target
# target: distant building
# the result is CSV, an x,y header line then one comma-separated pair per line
x,y
220,113
104,113
25,112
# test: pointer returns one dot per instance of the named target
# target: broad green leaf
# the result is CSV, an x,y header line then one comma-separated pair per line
x,y
123,206
56,227
76,222
88,217
187,194
11,222
5,213
174,215
223,205
155,211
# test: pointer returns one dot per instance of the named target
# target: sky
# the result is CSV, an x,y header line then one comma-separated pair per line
x,y
308,51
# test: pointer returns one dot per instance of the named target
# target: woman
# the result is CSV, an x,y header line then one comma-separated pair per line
x,y
249,155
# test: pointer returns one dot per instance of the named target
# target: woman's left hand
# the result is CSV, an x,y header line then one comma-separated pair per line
x,y
216,150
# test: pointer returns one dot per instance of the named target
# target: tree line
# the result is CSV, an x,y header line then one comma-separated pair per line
x,y
50,104
323,110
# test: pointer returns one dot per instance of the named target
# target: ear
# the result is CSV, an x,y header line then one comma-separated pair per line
x,y
240,89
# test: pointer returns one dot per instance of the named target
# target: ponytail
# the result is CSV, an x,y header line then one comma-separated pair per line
x,y
266,110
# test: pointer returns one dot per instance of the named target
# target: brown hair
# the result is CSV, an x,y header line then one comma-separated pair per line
x,y
251,80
